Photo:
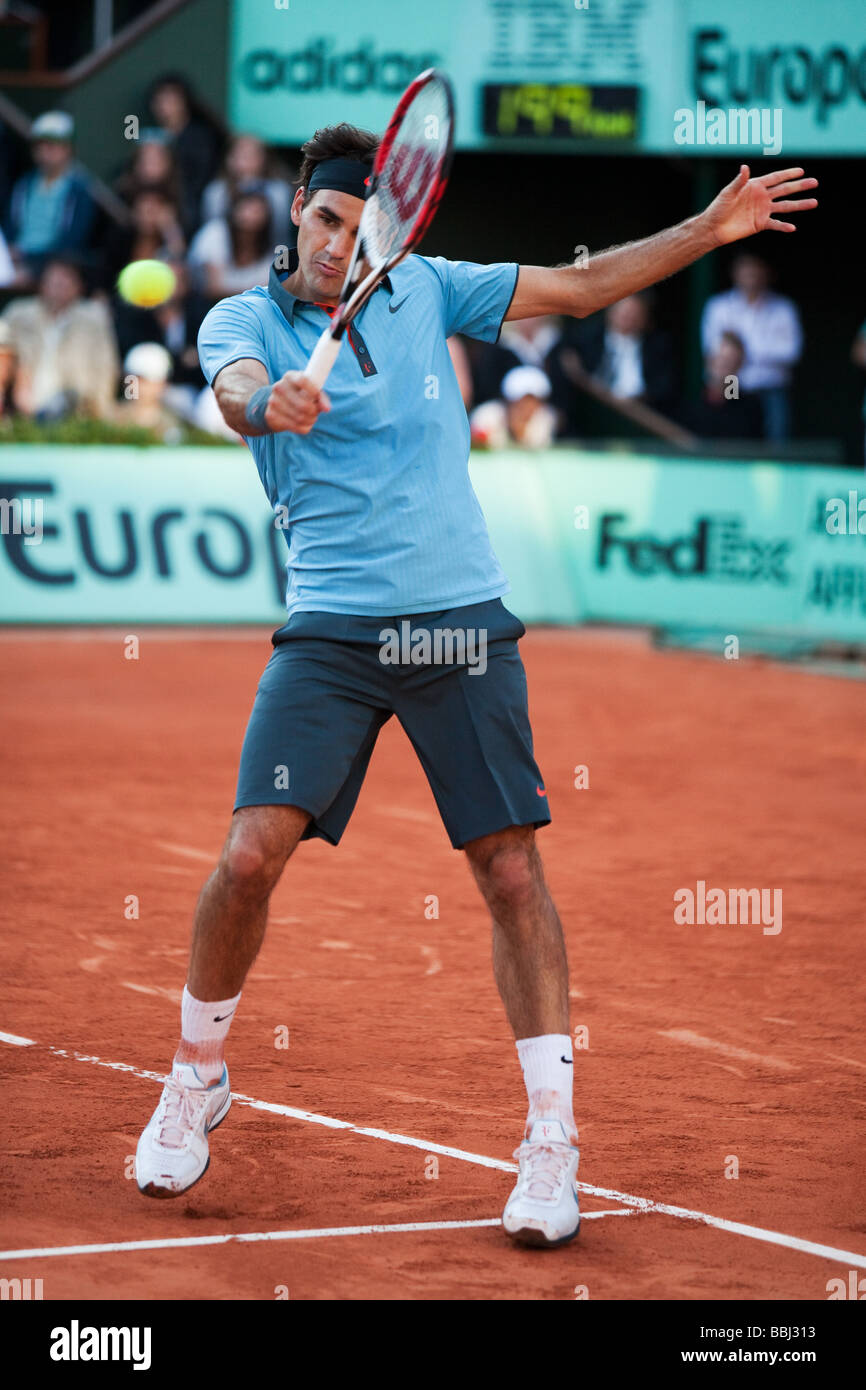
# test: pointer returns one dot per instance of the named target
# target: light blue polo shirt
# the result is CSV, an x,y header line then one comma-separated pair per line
x,y
379,514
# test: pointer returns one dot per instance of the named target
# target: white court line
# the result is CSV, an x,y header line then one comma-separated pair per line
x,y
14,1040
685,1035
182,1242
643,1204
850,1060
188,852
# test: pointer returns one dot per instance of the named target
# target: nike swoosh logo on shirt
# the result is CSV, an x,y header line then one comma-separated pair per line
x,y
392,308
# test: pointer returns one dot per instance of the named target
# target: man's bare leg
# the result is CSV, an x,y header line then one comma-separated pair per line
x,y
529,959
529,963
231,914
228,929
531,971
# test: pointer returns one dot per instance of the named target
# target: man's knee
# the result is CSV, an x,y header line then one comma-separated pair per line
x,y
508,869
258,847
247,867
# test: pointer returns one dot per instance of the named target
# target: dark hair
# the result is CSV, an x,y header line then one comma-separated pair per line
x,y
341,141
262,243
173,79
67,260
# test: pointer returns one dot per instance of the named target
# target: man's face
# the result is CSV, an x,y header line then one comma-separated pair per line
x,y
327,224
51,156
59,287
750,275
628,316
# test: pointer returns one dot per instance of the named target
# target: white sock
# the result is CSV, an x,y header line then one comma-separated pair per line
x,y
548,1071
204,1029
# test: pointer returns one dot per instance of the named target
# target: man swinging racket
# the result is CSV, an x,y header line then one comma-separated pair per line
x,y
383,529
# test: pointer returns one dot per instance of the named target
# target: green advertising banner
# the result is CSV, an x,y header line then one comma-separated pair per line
x,y
661,76
185,535
142,535
120,535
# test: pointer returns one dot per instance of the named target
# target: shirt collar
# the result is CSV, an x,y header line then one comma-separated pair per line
x,y
285,300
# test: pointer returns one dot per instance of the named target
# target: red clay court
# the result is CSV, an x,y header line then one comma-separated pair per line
x,y
398,1100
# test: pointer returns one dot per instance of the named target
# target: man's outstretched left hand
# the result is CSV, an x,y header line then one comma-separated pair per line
x,y
748,205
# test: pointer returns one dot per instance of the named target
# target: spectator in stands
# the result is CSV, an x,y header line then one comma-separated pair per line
x,y
724,411
246,169
152,165
174,325
858,357
67,356
624,352
51,209
146,371
7,265
769,326
522,417
154,234
8,362
193,139
11,162
232,254
525,341
206,415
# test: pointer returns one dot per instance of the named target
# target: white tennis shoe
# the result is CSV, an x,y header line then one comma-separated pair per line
x,y
543,1208
173,1151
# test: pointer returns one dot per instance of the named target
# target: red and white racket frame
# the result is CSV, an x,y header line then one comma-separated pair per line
x,y
353,299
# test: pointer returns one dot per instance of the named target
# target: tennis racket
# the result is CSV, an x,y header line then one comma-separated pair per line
x,y
409,175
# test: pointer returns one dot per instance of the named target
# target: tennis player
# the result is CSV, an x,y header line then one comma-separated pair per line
x,y
384,530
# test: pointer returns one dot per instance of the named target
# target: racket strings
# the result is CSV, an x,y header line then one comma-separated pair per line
x,y
409,173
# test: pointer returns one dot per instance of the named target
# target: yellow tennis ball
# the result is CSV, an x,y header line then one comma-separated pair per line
x,y
146,283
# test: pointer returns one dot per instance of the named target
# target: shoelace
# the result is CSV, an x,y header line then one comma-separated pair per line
x,y
181,1111
543,1170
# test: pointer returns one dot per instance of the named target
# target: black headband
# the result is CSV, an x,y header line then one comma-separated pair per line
x,y
344,175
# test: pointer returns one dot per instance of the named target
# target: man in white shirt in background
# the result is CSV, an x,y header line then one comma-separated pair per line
x,y
769,326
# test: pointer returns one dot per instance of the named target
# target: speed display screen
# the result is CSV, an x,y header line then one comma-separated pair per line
x,y
557,110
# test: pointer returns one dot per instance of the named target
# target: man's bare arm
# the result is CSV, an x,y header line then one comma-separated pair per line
x,y
744,207
294,404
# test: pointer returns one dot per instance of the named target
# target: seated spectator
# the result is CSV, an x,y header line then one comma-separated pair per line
x,y
174,325
51,210
146,370
152,165
531,340
521,418
154,234
8,364
193,139
769,326
206,415
623,352
7,265
724,411
488,363
246,170
67,356
528,341
233,254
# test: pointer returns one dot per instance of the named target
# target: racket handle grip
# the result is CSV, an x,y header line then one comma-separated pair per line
x,y
324,356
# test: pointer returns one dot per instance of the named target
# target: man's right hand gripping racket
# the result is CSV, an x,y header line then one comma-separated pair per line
x,y
409,175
